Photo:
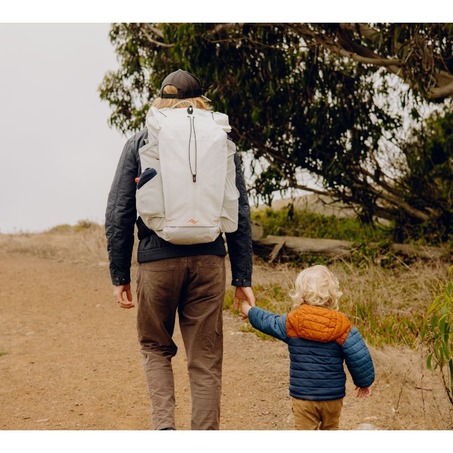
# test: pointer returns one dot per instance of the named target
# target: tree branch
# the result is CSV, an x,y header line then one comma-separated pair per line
x,y
394,200
158,33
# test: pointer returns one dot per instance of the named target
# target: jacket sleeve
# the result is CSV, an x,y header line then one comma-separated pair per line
x,y
240,242
268,322
358,359
121,214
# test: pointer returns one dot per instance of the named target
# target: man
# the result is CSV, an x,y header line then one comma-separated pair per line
x,y
188,279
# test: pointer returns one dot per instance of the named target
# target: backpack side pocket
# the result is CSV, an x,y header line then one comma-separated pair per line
x,y
149,196
230,207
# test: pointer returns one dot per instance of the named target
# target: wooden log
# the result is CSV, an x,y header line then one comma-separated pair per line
x,y
330,247
276,250
337,248
257,231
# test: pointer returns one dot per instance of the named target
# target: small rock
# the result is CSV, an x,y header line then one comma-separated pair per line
x,y
367,426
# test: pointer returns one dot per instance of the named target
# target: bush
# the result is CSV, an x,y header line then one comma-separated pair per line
x,y
303,223
437,333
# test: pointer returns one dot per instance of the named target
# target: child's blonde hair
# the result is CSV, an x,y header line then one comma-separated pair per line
x,y
198,102
316,285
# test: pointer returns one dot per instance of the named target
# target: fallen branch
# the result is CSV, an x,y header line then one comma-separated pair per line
x,y
335,248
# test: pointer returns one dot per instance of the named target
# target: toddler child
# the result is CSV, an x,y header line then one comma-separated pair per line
x,y
319,340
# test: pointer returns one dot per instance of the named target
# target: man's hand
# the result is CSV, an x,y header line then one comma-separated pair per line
x,y
118,292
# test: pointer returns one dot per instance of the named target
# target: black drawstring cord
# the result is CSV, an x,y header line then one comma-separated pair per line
x,y
192,127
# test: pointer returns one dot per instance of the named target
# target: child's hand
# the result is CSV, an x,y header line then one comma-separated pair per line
x,y
243,293
245,308
363,392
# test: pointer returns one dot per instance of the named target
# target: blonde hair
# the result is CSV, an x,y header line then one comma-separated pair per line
x,y
198,102
316,285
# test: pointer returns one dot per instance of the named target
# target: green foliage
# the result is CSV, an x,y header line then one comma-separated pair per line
x,y
304,223
62,228
300,108
378,254
429,181
371,243
80,226
423,49
380,328
437,332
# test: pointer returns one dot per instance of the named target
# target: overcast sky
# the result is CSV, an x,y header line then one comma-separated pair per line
x,y
57,152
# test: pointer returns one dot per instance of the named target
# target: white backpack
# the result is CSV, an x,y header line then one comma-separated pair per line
x,y
187,191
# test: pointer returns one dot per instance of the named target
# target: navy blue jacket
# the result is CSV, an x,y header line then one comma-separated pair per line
x,y
121,218
316,368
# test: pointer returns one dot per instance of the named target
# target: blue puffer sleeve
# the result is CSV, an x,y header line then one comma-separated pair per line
x,y
358,359
269,323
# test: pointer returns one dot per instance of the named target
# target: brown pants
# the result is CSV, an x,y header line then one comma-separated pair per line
x,y
317,414
195,288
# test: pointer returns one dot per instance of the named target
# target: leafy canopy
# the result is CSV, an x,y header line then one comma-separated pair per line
x,y
312,104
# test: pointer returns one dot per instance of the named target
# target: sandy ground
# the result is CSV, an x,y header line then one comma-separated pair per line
x,y
70,360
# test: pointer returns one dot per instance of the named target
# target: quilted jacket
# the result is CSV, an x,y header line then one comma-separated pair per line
x,y
121,218
319,342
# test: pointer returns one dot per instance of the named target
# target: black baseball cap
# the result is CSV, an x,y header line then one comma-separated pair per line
x,y
187,84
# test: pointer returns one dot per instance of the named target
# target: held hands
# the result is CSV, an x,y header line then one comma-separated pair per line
x,y
245,308
118,293
244,299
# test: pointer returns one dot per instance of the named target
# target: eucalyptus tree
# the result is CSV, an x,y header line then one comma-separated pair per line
x,y
312,103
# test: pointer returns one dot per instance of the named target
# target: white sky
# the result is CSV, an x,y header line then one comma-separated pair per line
x,y
57,152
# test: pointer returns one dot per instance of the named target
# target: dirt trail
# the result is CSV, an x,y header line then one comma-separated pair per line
x,y
70,361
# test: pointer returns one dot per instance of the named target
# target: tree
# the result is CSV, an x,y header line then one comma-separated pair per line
x,y
427,179
420,54
303,98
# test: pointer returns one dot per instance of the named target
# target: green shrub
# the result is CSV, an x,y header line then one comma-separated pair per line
x,y
437,333
80,226
303,223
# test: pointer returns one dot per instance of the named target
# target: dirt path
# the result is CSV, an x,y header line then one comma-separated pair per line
x,y
70,361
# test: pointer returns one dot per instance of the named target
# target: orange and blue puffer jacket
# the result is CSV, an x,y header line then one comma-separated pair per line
x,y
319,341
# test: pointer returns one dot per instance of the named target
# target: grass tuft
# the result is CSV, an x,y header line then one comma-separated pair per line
x,y
387,305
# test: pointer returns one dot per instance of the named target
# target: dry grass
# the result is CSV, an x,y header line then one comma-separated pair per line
x,y
84,243
386,303
402,289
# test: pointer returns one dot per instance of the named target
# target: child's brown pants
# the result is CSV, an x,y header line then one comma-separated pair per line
x,y
317,414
